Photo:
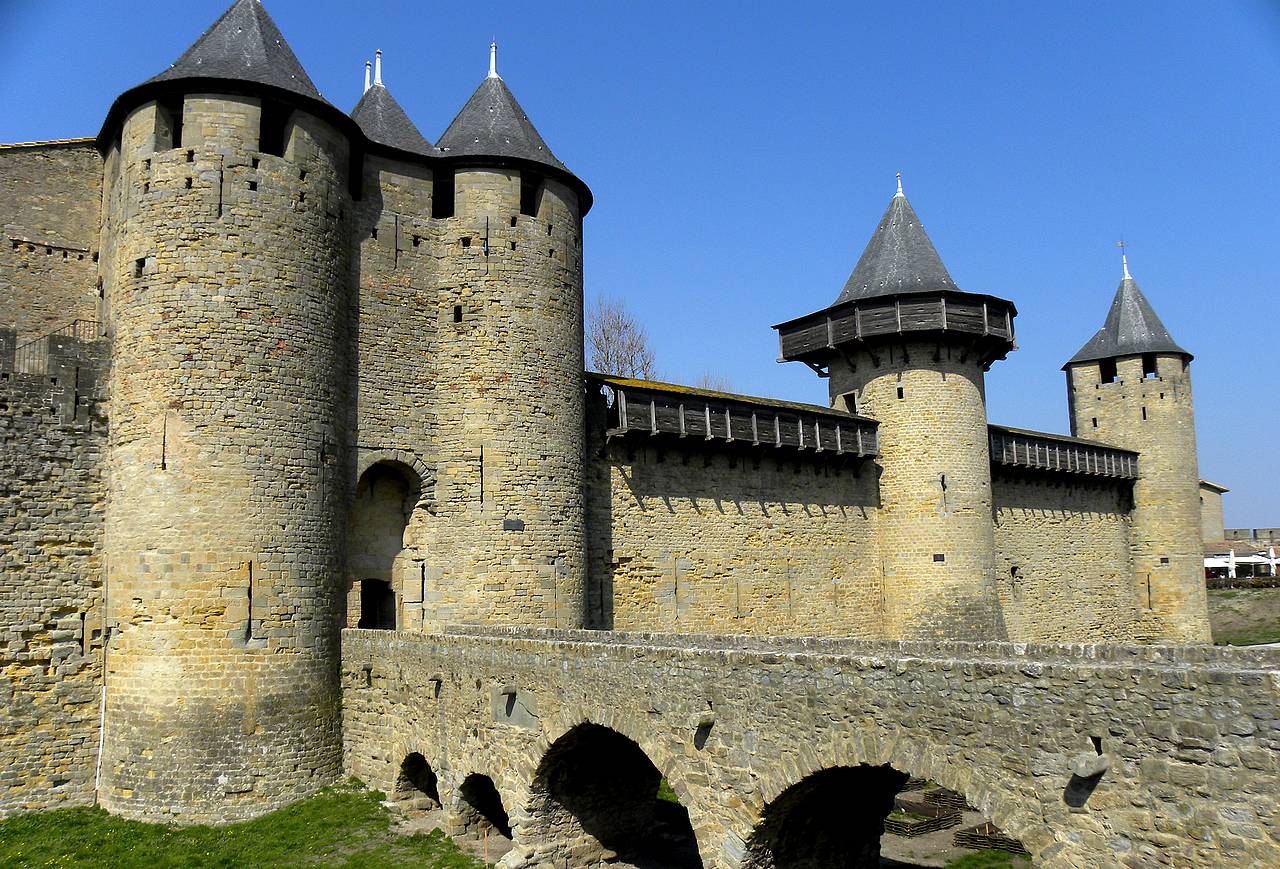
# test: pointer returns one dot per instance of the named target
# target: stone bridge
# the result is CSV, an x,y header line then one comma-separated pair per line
x,y
789,752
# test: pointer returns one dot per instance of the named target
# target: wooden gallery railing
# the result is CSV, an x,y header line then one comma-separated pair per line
x,y
646,407
1019,448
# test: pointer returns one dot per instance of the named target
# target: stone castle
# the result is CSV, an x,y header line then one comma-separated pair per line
x,y
271,370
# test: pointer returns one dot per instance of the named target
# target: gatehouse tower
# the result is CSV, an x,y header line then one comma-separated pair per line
x,y
907,347
225,277
1130,385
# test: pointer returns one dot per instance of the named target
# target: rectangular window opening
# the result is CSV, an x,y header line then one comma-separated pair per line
x,y
900,393
939,557
188,184
530,193
138,266
465,241
513,220
275,117
169,124
1149,366
1107,370
1095,422
1144,413
253,185
442,193
191,156
457,313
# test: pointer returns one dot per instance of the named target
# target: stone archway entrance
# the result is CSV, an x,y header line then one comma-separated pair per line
x,y
595,798
385,497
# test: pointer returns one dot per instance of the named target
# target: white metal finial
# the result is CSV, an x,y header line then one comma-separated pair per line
x,y
899,193
493,59
1124,259
367,67
377,67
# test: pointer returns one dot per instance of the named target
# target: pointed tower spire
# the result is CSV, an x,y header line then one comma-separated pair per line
x,y
243,45
899,258
1124,259
382,119
1131,329
367,85
492,124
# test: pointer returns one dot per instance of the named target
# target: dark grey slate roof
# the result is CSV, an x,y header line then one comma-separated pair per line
x,y
492,124
384,122
1132,328
243,45
899,258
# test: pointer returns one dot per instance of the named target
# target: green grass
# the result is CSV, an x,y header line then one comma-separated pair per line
x,y
1245,617
989,859
343,826
666,794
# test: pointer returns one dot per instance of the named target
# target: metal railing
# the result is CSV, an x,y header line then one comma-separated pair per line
x,y
32,357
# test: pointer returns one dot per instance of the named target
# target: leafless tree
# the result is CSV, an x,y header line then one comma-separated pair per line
x,y
616,342
714,382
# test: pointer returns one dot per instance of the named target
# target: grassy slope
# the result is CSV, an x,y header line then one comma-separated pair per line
x,y
1245,617
343,826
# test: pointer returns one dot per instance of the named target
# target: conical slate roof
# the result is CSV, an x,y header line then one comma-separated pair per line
x,y
243,45
1132,328
899,258
383,121
492,124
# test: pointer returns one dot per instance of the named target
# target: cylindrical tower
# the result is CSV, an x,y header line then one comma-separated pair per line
x,y
227,467
1130,386
508,543
904,346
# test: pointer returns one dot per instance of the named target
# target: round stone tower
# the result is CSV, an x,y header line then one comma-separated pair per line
x,y
508,542
226,282
1130,386
906,347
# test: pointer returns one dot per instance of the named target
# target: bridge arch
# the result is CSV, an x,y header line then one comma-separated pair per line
x,y
878,762
595,796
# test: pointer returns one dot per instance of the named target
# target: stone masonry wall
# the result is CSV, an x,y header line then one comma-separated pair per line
x,y
52,435
230,408
1062,550
935,530
49,213
1189,732
686,540
1154,415
505,542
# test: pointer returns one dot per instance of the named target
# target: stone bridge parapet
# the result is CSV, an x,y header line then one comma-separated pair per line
x,y
1186,736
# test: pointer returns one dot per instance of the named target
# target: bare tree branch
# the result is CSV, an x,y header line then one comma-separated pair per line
x,y
616,342
714,382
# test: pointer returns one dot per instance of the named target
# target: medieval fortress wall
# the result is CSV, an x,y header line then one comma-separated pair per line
x,y
343,372
49,212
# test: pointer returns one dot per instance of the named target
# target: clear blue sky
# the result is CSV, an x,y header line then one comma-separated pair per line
x,y
741,154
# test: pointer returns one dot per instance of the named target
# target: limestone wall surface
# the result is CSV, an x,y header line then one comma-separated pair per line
x,y
682,539
935,534
230,408
1062,549
51,506
1154,413
49,212
1189,732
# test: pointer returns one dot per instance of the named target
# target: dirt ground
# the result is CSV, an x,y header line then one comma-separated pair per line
x,y
1244,617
